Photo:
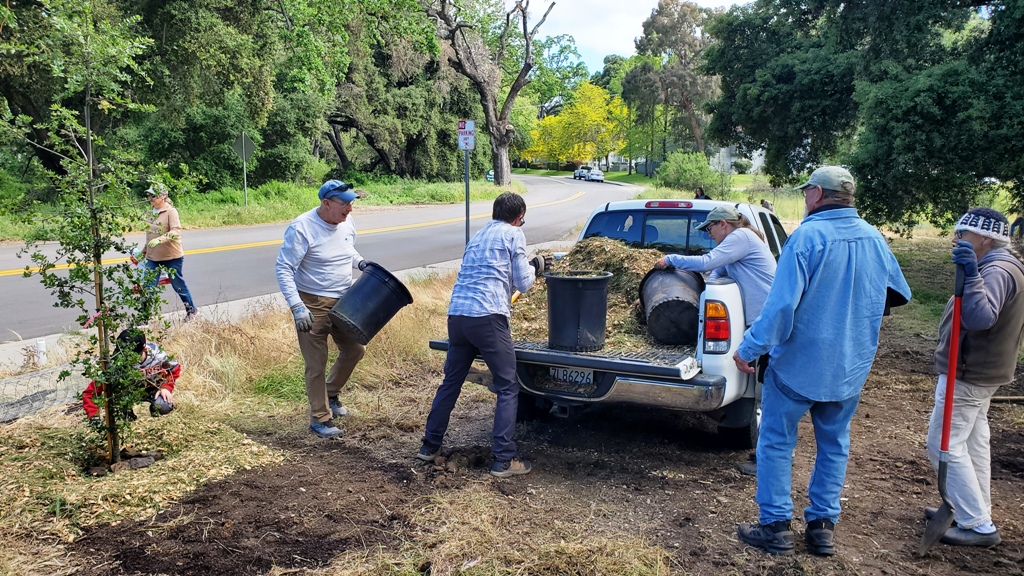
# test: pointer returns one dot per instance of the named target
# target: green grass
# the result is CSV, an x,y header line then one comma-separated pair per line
x,y
280,202
742,181
536,172
926,265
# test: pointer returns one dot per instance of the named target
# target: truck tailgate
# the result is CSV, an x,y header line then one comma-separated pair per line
x,y
662,362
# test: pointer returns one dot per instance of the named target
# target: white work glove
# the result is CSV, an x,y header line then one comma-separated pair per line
x,y
303,318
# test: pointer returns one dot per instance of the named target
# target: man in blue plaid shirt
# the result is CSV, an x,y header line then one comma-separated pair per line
x,y
478,324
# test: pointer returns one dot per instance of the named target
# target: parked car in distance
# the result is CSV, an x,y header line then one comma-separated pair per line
x,y
595,175
581,173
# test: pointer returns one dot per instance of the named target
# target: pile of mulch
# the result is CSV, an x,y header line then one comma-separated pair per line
x,y
624,330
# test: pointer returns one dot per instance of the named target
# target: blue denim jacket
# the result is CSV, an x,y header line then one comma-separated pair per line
x,y
821,319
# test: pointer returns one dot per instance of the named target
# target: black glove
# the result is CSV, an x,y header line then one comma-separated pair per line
x,y
538,264
96,421
364,263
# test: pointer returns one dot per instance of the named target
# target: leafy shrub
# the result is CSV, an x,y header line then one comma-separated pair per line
x,y
689,170
742,165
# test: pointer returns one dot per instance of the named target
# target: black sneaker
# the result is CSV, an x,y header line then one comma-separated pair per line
x,y
774,538
428,455
337,410
820,537
513,467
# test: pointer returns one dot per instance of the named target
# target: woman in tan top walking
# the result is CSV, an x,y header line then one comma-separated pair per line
x,y
163,244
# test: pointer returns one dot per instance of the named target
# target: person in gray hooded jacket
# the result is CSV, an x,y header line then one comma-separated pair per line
x,y
992,321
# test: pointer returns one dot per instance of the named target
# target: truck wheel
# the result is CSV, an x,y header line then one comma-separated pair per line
x,y
744,437
532,407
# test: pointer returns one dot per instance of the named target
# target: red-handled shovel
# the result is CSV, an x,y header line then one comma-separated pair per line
x,y
943,518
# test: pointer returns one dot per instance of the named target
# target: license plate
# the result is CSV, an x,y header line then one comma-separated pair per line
x,y
571,375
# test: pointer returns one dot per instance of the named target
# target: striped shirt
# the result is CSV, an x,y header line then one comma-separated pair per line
x,y
494,263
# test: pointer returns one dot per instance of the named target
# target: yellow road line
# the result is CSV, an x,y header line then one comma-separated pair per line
x,y
19,272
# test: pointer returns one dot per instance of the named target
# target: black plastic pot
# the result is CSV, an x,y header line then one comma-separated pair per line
x,y
577,309
370,303
671,302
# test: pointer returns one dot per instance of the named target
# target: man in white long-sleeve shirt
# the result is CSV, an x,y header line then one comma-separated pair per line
x,y
314,269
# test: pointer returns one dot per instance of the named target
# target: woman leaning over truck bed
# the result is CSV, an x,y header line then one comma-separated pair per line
x,y
740,254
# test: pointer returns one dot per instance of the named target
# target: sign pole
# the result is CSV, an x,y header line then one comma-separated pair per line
x,y
244,147
466,152
467,141
245,175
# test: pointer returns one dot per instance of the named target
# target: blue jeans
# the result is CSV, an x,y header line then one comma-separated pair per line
x,y
491,338
173,268
781,411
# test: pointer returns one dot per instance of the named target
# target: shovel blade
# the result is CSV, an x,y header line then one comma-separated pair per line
x,y
935,528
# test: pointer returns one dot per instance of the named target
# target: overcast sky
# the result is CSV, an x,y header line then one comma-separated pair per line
x,y
601,27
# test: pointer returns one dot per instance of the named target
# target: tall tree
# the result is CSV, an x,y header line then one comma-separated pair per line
x,y
642,90
675,31
920,97
92,59
472,57
401,103
588,122
610,77
558,71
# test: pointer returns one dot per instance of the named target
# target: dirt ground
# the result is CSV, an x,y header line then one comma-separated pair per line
x,y
659,476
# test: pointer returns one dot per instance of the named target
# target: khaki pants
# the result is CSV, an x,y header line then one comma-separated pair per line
x,y
313,345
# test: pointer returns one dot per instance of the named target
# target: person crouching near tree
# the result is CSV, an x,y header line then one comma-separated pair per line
x,y
159,374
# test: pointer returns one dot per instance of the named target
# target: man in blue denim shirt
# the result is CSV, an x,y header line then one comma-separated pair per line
x,y
820,324
478,324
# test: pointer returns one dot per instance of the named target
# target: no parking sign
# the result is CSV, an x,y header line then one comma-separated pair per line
x,y
467,134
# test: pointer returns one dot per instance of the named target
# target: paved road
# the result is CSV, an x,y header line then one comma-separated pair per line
x,y
226,264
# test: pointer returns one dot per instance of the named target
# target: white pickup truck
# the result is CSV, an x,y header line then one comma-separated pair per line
x,y
703,378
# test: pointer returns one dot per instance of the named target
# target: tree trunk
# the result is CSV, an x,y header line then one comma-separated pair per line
x,y
471,58
335,137
501,165
698,136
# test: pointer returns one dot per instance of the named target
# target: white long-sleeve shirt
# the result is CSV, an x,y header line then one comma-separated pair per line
x,y
316,258
741,256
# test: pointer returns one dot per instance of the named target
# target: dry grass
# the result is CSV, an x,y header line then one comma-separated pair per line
x,y
46,495
477,530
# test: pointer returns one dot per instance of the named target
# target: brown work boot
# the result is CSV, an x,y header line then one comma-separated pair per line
x,y
513,467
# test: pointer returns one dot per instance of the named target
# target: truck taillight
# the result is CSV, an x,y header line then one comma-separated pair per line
x,y
717,332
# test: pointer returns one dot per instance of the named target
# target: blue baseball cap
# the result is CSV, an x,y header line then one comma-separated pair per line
x,y
337,189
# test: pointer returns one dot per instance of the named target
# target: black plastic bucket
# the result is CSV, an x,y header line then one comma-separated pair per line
x,y
577,309
370,303
671,302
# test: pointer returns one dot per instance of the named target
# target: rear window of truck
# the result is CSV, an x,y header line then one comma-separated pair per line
x,y
669,232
